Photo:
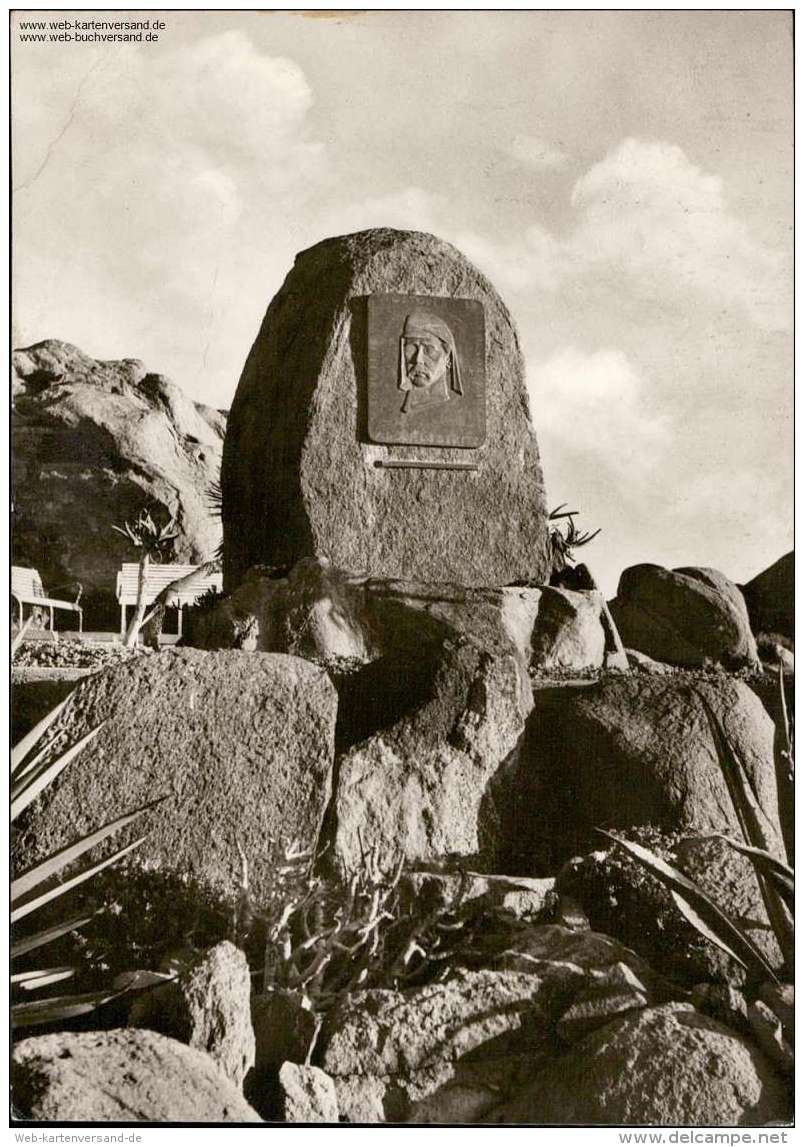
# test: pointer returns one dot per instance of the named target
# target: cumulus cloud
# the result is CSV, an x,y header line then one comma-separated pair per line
x,y
537,260
648,219
646,211
536,153
594,403
153,190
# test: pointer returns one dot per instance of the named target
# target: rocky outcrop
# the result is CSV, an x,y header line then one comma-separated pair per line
x,y
239,745
663,1066
770,598
689,616
630,751
121,1076
92,443
428,728
208,1007
300,474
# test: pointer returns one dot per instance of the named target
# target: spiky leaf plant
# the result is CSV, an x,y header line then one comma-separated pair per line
x,y
31,772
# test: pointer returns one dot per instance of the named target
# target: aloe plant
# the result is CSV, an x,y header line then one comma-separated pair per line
x,y
564,545
153,542
701,910
31,772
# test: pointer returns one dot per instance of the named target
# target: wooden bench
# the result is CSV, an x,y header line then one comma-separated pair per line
x,y
27,589
157,578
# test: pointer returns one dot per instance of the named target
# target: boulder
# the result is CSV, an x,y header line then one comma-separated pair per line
x,y
308,1095
92,443
121,1076
285,1031
601,1003
301,476
563,956
660,1066
687,616
326,614
633,750
437,1054
449,1052
240,745
730,879
207,1007
433,782
569,631
770,598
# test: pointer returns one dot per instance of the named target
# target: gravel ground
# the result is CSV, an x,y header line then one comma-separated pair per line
x,y
72,655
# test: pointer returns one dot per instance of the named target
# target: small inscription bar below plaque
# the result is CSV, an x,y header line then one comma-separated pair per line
x,y
413,464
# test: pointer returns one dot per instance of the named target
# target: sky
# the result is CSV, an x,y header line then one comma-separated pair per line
x,y
625,179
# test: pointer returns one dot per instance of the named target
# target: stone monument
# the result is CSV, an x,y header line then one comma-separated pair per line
x,y
381,421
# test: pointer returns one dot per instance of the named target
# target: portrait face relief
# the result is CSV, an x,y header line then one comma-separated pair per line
x,y
429,372
425,361
426,370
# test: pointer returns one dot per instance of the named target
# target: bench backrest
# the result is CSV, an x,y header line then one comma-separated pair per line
x,y
157,578
26,583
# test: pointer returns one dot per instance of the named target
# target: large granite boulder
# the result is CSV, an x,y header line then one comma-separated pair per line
x,y
92,443
121,1076
300,475
629,751
430,781
662,1066
688,616
770,598
240,745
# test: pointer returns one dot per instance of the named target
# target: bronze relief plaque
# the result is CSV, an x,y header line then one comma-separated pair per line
x,y
426,371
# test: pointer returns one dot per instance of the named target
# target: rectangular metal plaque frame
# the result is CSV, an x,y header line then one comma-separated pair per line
x,y
457,420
